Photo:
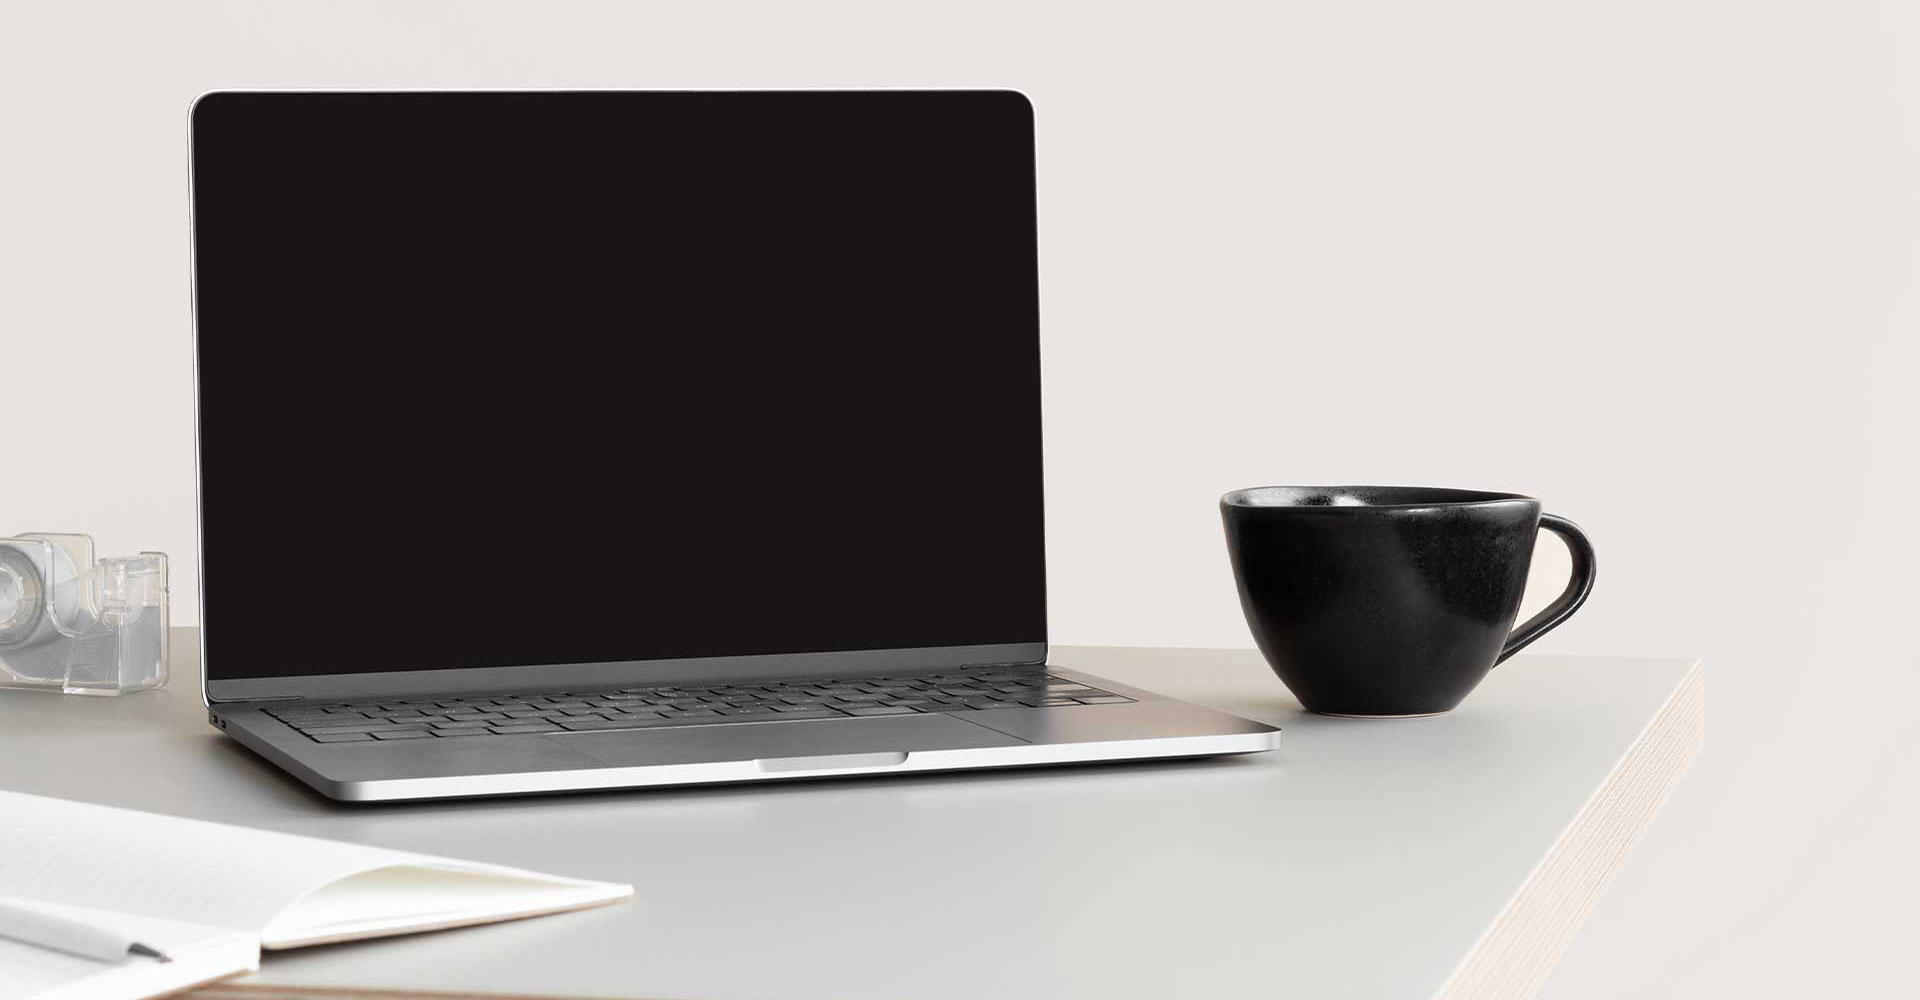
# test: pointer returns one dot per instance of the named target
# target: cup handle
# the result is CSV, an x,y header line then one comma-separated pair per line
x,y
1569,600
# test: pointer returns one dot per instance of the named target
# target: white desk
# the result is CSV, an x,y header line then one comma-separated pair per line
x,y
1445,857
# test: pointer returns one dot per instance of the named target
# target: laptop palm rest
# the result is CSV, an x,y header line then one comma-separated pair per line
x,y
777,744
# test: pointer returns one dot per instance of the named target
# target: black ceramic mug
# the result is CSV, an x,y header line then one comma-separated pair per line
x,y
1390,601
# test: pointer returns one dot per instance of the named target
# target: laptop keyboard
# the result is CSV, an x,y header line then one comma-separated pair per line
x,y
685,705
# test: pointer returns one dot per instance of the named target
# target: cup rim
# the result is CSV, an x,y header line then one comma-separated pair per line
x,y
1416,497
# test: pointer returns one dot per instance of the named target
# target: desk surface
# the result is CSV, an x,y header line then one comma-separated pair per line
x,y
1452,856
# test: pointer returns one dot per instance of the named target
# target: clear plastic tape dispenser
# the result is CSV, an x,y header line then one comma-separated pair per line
x,y
69,622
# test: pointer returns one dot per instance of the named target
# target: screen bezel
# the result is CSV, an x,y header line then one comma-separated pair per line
x,y
559,676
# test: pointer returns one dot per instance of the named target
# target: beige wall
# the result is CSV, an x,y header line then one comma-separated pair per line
x,y
1654,262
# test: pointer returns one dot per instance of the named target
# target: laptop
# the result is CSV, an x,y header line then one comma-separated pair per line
x,y
584,440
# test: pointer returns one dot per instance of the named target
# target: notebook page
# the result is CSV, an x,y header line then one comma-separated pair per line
x,y
404,900
191,870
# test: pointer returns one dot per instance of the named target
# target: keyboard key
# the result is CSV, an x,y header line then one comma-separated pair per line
x,y
341,737
541,727
363,727
817,713
1104,699
588,725
403,734
882,710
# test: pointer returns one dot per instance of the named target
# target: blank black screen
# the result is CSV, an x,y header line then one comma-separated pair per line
x,y
509,379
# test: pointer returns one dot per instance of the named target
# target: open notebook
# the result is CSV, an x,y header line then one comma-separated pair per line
x,y
212,896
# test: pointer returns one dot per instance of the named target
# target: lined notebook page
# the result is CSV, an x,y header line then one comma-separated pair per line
x,y
222,876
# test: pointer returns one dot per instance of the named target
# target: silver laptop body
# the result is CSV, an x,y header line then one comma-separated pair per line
x,y
583,440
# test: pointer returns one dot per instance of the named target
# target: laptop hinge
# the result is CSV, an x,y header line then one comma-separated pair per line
x,y
392,685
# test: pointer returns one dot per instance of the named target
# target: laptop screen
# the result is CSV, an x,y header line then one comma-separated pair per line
x,y
493,379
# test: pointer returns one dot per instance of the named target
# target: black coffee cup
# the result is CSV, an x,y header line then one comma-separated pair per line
x,y
1390,601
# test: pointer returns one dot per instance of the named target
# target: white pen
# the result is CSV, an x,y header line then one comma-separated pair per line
x,y
23,921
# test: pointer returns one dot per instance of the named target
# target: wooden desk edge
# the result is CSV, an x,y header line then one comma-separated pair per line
x,y
1513,958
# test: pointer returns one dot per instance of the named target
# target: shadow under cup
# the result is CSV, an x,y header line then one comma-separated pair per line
x,y
1390,601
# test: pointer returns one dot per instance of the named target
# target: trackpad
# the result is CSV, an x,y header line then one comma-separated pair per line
x,y
766,740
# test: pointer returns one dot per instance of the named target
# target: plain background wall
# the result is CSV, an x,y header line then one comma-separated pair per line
x,y
1651,261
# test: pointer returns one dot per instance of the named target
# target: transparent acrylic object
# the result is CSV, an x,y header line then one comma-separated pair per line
x,y
71,623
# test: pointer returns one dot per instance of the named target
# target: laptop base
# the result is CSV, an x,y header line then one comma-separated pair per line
x,y
1150,726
